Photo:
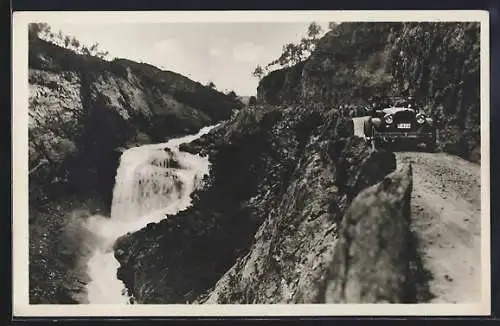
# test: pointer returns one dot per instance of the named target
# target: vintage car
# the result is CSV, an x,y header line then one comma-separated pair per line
x,y
396,124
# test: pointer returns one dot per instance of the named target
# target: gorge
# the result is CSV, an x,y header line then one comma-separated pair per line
x,y
147,187
152,182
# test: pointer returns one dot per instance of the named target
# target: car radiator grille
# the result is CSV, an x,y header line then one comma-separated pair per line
x,y
404,117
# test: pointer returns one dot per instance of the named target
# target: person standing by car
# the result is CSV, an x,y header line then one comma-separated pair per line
x,y
438,112
410,102
438,115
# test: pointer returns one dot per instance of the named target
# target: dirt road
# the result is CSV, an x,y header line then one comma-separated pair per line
x,y
446,217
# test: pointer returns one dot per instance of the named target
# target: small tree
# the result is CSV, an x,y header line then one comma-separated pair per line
x,y
85,50
211,85
75,43
43,31
67,41
34,30
258,72
60,36
252,100
314,30
294,53
309,43
94,47
39,30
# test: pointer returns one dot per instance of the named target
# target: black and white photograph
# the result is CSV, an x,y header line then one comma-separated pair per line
x,y
251,163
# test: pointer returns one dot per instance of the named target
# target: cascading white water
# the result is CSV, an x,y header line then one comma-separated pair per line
x,y
151,182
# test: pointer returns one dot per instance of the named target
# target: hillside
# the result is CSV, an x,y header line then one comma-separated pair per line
x,y
83,111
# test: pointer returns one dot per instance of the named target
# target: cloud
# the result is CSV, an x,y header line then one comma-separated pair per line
x,y
215,52
170,54
219,48
167,46
247,52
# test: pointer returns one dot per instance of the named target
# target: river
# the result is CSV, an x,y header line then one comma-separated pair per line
x,y
152,181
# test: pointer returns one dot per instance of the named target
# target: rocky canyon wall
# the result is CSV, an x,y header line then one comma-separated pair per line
x,y
83,111
291,190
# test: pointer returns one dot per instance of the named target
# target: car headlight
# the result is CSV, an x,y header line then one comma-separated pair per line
x,y
388,119
420,118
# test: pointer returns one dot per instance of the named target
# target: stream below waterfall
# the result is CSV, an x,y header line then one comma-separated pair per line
x,y
152,181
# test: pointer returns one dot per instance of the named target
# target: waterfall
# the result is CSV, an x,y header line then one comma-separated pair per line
x,y
152,181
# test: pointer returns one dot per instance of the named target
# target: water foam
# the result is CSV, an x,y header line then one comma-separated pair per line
x,y
152,181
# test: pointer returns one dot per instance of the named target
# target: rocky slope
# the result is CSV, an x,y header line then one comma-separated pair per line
x,y
83,109
82,112
287,198
436,63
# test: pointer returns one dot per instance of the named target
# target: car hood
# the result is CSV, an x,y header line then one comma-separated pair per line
x,y
393,110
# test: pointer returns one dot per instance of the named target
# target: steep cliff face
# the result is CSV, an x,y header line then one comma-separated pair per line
x,y
264,228
436,63
349,65
82,112
440,64
281,86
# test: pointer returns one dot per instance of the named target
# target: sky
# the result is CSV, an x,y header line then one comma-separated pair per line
x,y
224,53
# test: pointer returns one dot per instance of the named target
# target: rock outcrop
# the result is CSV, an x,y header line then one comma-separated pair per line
x,y
281,86
371,262
82,112
436,63
268,226
362,259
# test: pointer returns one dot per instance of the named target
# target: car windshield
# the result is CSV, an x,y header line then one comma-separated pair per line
x,y
385,102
